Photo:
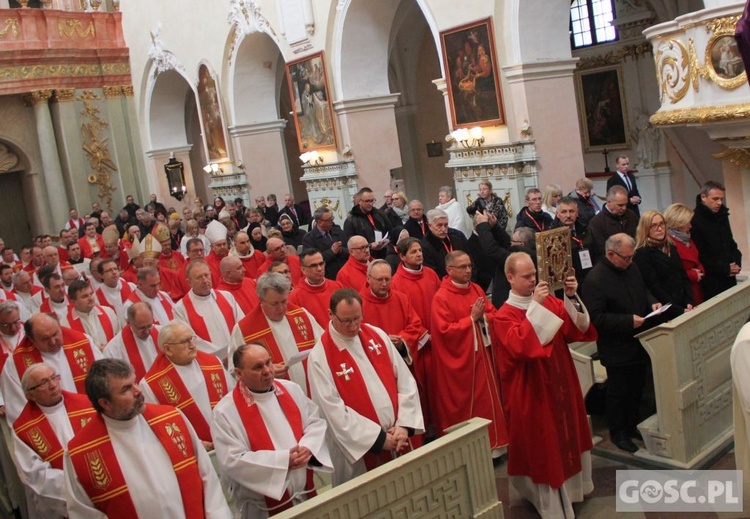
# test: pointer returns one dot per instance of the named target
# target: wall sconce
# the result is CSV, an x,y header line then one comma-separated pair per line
x,y
463,136
311,158
175,171
212,169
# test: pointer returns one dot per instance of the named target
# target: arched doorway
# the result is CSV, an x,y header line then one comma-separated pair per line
x,y
14,225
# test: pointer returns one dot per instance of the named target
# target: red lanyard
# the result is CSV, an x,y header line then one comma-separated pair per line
x,y
372,221
449,247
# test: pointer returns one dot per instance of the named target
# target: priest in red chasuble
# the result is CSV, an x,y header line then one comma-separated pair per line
x,y
549,462
462,353
314,292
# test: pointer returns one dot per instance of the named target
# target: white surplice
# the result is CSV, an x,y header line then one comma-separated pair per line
x,y
284,337
351,434
149,475
115,349
46,483
10,382
216,325
93,326
26,299
253,475
195,383
160,314
113,298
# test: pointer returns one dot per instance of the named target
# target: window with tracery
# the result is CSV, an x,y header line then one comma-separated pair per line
x,y
591,22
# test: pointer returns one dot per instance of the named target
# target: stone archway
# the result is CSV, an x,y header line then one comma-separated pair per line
x,y
15,226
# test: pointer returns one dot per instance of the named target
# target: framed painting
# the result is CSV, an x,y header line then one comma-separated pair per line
x,y
554,258
601,106
313,110
472,75
210,110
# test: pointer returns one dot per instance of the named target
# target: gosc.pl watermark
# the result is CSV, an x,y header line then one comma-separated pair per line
x,y
679,491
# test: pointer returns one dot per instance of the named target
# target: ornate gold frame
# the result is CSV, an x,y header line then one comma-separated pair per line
x,y
582,94
708,65
554,257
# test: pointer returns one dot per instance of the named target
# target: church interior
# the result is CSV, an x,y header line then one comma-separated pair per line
x,y
319,98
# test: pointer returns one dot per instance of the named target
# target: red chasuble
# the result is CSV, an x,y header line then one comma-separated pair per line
x,y
353,274
244,293
76,347
315,299
33,428
99,472
292,262
253,264
172,260
75,322
254,328
169,389
547,422
395,316
165,302
134,354
463,365
213,262
86,250
420,287
170,283
198,324
125,292
260,440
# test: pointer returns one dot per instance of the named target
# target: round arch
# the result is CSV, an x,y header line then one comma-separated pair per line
x,y
165,110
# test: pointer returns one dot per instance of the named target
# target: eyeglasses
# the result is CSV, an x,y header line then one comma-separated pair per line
x,y
347,322
360,248
379,280
462,267
44,384
185,342
659,225
8,325
625,258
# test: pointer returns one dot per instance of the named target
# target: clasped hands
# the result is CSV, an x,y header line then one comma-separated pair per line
x,y
298,457
396,439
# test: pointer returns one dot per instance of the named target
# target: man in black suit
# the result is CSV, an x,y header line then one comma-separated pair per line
x,y
440,240
416,225
295,212
623,177
328,238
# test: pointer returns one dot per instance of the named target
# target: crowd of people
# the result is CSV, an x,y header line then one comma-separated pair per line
x,y
288,344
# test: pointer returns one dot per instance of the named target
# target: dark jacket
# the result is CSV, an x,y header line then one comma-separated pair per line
x,y
537,222
612,296
587,207
357,224
299,220
434,250
293,238
495,206
665,276
316,240
616,180
580,239
271,214
712,235
605,224
495,247
414,229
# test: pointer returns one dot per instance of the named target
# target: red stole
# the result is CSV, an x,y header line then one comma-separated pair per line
x,y
134,354
196,320
254,328
351,385
125,292
260,439
46,306
76,323
76,347
99,472
75,224
169,389
33,428
134,297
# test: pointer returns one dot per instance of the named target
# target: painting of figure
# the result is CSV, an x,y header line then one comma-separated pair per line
x,y
313,111
602,109
726,59
472,75
213,125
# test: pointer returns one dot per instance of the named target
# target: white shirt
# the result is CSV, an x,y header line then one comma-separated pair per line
x,y
160,313
149,475
115,349
218,330
266,473
93,325
27,300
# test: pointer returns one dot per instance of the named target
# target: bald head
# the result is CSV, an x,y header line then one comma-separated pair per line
x,y
276,249
232,269
51,256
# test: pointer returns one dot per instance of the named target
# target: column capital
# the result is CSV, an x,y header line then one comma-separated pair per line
x,y
63,95
127,90
112,92
38,97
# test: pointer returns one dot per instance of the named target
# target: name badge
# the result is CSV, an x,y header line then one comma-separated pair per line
x,y
585,256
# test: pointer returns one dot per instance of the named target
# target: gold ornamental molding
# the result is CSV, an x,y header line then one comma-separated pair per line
x,y
127,90
673,69
38,97
69,29
112,92
11,27
737,156
703,114
615,57
96,146
64,95
20,72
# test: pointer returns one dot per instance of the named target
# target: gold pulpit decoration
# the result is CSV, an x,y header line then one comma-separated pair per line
x,y
554,258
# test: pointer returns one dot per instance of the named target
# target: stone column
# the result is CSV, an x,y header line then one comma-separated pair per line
x,y
72,158
133,136
260,147
53,178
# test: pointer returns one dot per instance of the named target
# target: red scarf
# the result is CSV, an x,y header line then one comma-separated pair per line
x,y
33,428
75,322
260,439
196,320
76,347
134,354
125,292
168,307
254,328
169,389
99,472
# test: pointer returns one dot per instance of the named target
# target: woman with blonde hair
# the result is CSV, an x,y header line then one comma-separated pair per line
x,y
678,217
659,263
490,202
398,213
552,194
192,230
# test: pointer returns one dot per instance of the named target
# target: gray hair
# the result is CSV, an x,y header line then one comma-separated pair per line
x,y
26,378
18,275
616,190
8,306
376,263
272,281
132,309
616,241
527,237
436,214
97,379
147,272
320,212
448,190
168,331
